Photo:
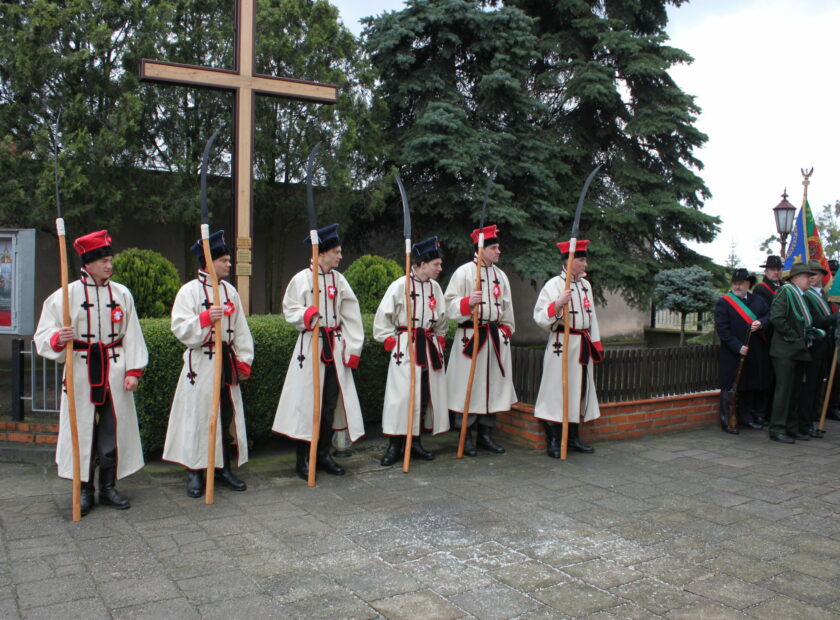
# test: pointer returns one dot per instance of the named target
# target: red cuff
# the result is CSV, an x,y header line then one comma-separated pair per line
x,y
465,306
55,344
390,343
597,344
353,362
442,341
243,369
505,329
204,319
137,372
552,310
307,317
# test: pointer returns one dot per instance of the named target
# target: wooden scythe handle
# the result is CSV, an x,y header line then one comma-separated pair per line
x,y
69,386
316,365
409,312
210,476
466,412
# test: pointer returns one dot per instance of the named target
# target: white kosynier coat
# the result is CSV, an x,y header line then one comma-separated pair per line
x,y
492,390
389,326
582,396
189,419
105,314
339,311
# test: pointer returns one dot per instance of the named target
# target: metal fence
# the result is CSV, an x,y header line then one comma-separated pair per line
x,y
694,321
43,381
630,374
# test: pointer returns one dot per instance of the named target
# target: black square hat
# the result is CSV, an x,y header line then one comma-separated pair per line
x,y
327,238
426,250
218,246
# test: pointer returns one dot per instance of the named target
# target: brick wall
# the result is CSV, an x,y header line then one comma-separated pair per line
x,y
27,432
619,420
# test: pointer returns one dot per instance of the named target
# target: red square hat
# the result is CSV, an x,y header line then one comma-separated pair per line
x,y
93,246
580,248
491,234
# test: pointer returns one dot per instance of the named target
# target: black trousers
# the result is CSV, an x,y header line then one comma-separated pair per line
x,y
329,400
104,440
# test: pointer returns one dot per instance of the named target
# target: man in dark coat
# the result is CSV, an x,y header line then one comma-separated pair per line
x,y
772,280
737,314
767,289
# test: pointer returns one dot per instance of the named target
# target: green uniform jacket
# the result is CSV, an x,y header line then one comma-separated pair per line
x,y
789,331
822,349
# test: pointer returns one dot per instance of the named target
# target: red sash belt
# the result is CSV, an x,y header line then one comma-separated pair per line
x,y
424,340
588,350
98,364
483,330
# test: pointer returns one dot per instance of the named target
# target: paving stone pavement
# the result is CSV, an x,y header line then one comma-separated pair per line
x,y
696,524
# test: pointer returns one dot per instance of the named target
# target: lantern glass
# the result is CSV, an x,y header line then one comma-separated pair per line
x,y
784,215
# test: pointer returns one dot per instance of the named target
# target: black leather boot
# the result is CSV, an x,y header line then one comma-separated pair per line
x,y
302,462
86,501
225,475
485,440
419,451
574,440
326,462
552,438
108,495
195,482
394,450
469,446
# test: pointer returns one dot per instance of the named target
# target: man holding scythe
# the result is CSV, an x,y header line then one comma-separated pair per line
x,y
319,394
429,324
208,318
478,296
565,305
108,357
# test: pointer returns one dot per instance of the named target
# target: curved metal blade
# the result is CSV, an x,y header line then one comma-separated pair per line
x,y
55,162
406,212
205,215
486,196
310,194
579,207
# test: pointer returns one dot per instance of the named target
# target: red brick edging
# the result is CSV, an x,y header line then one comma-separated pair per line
x,y
29,432
621,420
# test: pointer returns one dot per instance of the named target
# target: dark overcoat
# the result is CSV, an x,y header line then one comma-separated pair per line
x,y
732,331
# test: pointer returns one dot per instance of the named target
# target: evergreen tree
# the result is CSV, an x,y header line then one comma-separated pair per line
x,y
545,89
684,290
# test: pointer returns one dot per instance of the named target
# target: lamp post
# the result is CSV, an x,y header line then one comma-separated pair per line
x,y
784,212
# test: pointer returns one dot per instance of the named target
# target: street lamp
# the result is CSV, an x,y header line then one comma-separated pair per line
x,y
784,212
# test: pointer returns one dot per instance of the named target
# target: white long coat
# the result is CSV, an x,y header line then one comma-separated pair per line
x,y
492,391
103,314
339,309
189,419
428,313
549,405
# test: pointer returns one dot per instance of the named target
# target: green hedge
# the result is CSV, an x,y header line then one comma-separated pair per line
x,y
274,341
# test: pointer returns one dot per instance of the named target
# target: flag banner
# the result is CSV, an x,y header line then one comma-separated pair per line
x,y
805,243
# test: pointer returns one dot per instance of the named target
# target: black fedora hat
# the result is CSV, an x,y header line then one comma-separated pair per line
x,y
773,262
741,275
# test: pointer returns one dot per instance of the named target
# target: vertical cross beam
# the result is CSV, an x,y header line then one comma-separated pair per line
x,y
245,84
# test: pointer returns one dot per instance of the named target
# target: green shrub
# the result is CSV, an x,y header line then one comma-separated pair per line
x,y
151,278
369,277
274,344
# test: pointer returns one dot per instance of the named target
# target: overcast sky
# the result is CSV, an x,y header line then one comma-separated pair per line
x,y
765,74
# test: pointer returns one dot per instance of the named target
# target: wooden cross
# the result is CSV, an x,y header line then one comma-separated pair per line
x,y
245,85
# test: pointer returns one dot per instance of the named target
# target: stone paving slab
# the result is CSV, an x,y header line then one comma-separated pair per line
x,y
697,524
